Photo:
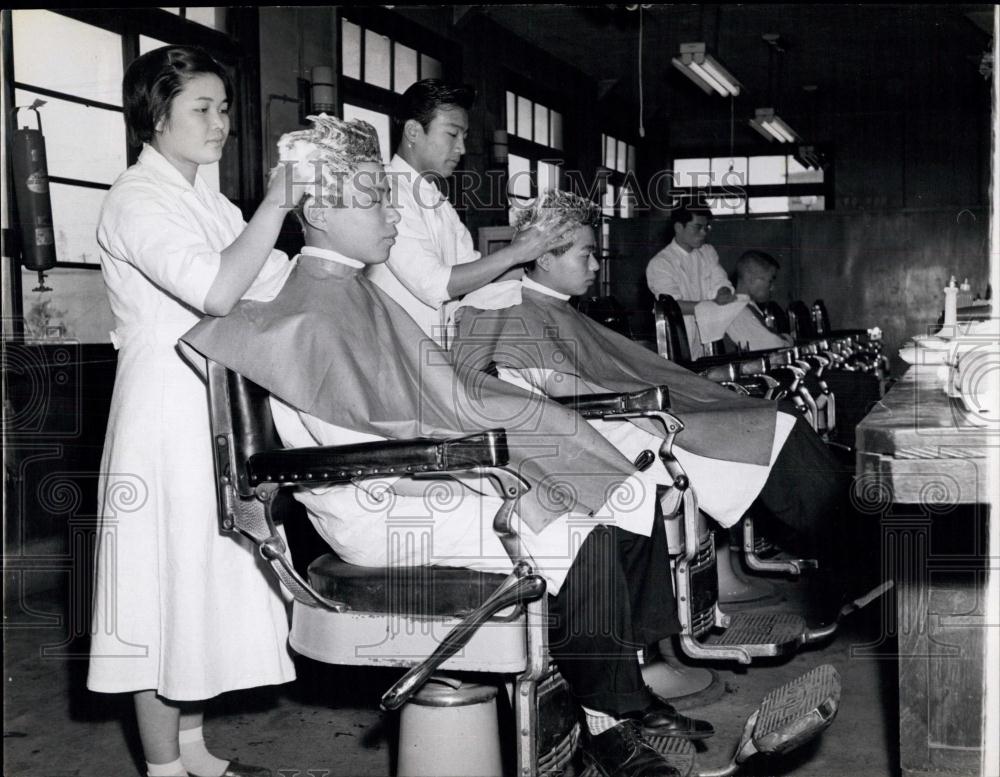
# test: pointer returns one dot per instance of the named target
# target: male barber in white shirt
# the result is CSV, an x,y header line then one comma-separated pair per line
x,y
433,260
688,268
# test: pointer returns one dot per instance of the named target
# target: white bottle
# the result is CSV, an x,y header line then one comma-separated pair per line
x,y
964,294
950,304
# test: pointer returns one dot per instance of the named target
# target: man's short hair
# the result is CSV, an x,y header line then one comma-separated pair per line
x,y
552,211
686,210
755,258
423,99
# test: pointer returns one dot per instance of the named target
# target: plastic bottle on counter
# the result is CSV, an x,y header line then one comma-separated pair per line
x,y
964,294
951,303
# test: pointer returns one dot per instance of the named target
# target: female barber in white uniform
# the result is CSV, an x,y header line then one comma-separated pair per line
x,y
182,613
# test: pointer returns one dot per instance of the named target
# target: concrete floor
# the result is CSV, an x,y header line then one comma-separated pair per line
x,y
328,722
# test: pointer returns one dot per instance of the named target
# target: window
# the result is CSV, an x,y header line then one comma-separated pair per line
x,y
214,18
753,185
618,157
79,81
375,65
535,135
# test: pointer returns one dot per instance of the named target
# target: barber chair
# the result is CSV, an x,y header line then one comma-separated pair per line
x,y
459,620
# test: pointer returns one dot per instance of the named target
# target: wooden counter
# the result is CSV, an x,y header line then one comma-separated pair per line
x,y
922,472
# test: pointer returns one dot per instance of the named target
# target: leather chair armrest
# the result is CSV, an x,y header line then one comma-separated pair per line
x,y
344,463
656,398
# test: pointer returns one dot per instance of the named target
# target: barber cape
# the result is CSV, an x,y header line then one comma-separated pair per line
x,y
519,328
333,345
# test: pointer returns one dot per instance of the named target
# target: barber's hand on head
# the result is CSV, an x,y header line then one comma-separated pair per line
x,y
724,296
533,242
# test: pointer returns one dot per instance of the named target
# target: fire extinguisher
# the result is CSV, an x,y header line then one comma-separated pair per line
x,y
31,193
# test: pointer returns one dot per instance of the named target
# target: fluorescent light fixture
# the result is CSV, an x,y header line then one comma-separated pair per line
x,y
772,127
706,71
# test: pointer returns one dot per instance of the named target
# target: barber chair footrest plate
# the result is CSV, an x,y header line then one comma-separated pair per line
x,y
761,634
797,711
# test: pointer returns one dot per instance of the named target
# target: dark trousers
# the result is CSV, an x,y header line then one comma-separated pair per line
x,y
805,503
617,598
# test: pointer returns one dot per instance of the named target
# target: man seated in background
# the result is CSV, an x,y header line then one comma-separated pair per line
x,y
345,364
688,270
755,273
737,451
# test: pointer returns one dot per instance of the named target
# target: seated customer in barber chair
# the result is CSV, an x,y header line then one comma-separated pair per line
x,y
738,452
345,364
755,273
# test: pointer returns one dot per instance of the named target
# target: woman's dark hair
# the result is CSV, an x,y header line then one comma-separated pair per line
x,y
422,99
154,79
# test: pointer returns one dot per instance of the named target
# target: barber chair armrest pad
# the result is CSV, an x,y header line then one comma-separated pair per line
x,y
599,405
344,463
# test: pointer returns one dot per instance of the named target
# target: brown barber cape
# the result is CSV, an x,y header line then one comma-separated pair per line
x,y
333,345
544,332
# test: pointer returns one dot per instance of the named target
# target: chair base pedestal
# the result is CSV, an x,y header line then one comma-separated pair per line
x,y
737,589
446,731
686,687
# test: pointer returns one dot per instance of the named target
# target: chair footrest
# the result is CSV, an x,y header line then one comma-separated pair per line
x,y
761,634
797,711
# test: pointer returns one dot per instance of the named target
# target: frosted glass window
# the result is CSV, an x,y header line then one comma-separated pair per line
x,y
556,130
721,175
541,124
768,205
798,173
767,170
147,44
174,11
404,68
89,61
691,172
621,157
380,121
609,152
377,59
626,205
630,164
608,200
75,211
350,49
548,176
429,67
511,113
524,119
518,176
728,205
807,202
70,132
208,16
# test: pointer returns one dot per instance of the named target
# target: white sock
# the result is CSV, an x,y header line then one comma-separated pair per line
x,y
599,722
196,758
172,769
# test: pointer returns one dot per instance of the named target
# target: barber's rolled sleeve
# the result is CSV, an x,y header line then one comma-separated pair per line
x,y
160,243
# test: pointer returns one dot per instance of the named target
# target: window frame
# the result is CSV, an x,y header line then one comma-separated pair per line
x,y
129,24
534,152
617,178
382,21
824,189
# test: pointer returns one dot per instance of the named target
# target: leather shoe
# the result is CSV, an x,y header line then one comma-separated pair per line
x,y
622,751
661,719
236,769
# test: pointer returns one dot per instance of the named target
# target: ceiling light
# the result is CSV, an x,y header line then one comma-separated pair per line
x,y
772,127
706,71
